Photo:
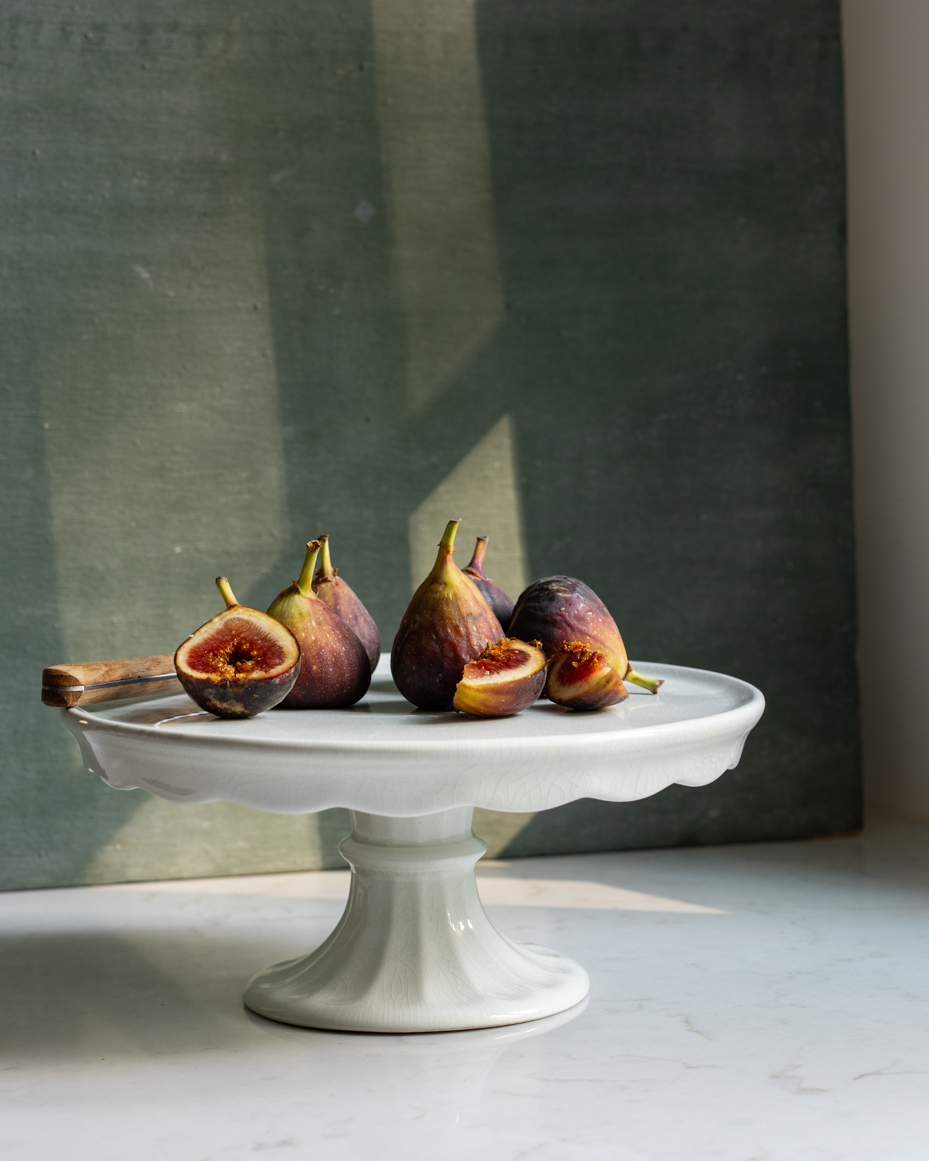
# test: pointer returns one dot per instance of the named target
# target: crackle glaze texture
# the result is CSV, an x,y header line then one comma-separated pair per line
x,y
414,950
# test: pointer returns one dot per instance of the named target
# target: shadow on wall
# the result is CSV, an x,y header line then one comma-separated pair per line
x,y
576,272
665,336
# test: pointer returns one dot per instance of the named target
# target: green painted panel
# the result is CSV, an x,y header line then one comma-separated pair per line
x,y
272,270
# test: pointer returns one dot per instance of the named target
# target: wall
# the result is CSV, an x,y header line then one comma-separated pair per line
x,y
572,270
887,95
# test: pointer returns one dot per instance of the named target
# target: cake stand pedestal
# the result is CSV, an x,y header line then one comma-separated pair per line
x,y
414,950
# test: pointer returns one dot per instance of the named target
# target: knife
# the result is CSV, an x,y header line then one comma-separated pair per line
x,y
87,682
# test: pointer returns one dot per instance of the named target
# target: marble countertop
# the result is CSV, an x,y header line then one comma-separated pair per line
x,y
747,1003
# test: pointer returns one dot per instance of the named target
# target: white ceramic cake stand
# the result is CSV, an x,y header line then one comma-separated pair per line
x,y
414,950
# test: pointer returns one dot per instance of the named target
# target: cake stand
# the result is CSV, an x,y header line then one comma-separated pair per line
x,y
414,950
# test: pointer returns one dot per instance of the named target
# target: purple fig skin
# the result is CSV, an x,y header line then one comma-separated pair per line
x,y
240,663
558,609
334,668
339,596
446,624
498,600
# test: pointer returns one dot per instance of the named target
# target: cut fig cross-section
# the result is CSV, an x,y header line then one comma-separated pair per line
x,y
507,678
581,678
240,663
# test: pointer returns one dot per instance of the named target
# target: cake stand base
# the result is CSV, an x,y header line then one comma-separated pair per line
x,y
414,951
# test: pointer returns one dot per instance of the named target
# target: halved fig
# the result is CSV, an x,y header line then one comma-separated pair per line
x,y
240,663
507,678
580,678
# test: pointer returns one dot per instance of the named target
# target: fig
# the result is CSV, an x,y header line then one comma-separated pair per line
x,y
240,663
334,668
581,678
501,604
447,622
558,609
339,596
506,679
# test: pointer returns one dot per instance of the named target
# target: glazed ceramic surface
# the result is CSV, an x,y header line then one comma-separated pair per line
x,y
385,757
414,950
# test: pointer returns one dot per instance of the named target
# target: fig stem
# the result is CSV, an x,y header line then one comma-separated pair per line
x,y
325,564
648,683
304,581
448,539
226,589
477,560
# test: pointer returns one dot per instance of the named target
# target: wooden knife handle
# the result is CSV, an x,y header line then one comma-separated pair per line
x,y
87,682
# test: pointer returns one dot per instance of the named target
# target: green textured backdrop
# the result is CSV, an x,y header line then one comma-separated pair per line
x,y
574,268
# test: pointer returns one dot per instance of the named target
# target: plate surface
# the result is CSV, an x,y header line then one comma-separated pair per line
x,y
385,757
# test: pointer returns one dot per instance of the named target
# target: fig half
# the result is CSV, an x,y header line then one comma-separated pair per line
x,y
240,663
506,679
580,678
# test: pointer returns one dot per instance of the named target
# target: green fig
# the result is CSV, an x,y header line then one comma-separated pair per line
x,y
448,622
331,589
240,663
501,604
334,667
559,609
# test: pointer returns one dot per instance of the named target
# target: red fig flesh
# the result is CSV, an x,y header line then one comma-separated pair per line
x,y
558,609
240,663
446,624
581,678
334,667
506,679
339,596
501,604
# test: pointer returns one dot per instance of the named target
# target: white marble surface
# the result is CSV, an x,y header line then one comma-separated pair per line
x,y
747,1004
